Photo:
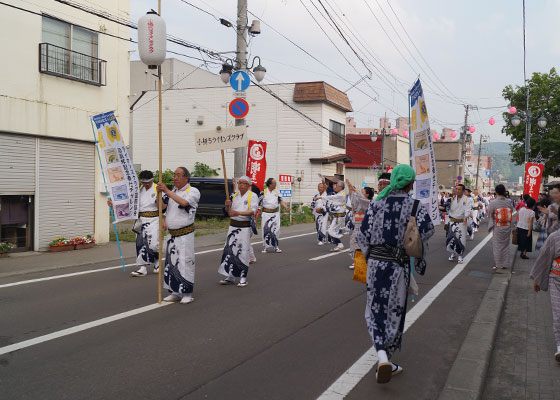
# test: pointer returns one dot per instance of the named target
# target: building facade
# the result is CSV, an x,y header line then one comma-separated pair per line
x,y
67,70
306,148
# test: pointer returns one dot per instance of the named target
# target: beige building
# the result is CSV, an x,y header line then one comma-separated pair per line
x,y
67,70
448,160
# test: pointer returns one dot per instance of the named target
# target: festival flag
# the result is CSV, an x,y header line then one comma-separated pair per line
x,y
422,150
533,177
256,163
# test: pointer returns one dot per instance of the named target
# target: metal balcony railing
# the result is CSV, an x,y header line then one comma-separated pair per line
x,y
58,61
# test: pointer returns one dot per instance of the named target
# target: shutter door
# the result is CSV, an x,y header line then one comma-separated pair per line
x,y
17,164
66,189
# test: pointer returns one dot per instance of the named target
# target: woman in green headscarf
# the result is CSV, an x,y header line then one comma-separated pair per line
x,y
381,237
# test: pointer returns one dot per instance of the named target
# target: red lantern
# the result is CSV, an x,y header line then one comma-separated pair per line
x,y
472,129
512,110
453,134
405,134
491,121
394,131
436,136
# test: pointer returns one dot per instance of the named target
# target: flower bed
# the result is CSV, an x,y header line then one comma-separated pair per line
x,y
60,244
83,242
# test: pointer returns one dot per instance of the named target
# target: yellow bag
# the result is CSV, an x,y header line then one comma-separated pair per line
x,y
360,267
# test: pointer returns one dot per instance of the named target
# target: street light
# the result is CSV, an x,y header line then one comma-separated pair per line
x,y
515,121
542,122
226,72
526,116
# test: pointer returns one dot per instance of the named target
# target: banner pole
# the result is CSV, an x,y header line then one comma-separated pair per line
x,y
410,153
107,192
160,179
225,174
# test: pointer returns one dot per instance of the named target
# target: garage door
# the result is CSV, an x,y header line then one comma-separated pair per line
x,y
17,164
66,189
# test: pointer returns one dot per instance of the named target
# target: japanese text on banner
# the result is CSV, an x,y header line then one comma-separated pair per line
x,y
121,179
256,163
532,181
423,160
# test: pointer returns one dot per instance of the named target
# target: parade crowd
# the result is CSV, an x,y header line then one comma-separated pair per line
x,y
383,229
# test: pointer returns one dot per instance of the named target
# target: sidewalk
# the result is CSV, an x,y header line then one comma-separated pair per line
x,y
29,262
522,364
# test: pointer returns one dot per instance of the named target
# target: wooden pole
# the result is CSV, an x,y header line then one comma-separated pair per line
x,y
225,174
160,177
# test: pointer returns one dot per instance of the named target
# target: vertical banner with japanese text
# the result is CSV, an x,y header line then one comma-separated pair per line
x,y
121,179
532,180
422,149
256,163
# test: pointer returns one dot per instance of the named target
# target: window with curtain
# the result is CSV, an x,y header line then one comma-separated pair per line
x,y
337,135
71,50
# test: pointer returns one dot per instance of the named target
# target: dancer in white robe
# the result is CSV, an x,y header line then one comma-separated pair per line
x,y
458,209
337,211
182,203
270,201
319,210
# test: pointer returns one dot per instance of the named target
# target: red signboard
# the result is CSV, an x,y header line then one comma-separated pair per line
x,y
256,163
532,181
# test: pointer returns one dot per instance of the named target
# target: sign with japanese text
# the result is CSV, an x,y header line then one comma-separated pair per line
x,y
256,163
285,185
120,177
532,181
221,139
423,160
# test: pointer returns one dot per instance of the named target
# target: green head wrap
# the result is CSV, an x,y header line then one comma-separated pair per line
x,y
401,176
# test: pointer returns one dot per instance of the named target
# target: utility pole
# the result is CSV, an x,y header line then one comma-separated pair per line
x,y
240,154
478,161
463,140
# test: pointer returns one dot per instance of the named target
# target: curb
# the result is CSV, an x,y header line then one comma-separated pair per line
x,y
467,376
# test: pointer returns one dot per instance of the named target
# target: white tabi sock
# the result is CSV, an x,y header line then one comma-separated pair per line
x,y
382,356
243,280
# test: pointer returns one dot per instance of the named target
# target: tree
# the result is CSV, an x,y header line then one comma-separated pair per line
x,y
544,101
167,177
204,170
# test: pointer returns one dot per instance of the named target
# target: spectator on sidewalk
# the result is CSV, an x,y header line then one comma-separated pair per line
x,y
525,228
381,239
546,276
499,220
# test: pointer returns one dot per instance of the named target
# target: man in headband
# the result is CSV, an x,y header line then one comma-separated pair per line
x,y
238,252
383,181
147,227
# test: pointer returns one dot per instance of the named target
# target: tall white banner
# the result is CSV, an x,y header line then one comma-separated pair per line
x,y
423,160
120,178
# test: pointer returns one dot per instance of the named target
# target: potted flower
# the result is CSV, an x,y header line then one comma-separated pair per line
x,y
83,242
5,248
61,244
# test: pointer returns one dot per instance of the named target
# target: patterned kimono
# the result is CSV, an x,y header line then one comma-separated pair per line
x,y
388,281
147,241
237,250
500,212
270,220
321,217
456,239
337,210
546,273
349,219
178,276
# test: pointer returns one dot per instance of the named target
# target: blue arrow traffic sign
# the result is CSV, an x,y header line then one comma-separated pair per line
x,y
240,81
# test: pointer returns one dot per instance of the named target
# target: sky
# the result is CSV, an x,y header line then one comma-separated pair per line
x,y
465,52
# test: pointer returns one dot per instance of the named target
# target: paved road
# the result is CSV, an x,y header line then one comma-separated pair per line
x,y
289,334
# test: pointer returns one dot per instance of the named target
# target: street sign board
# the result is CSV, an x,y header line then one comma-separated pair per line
x,y
459,178
240,81
364,184
238,108
487,173
285,185
221,139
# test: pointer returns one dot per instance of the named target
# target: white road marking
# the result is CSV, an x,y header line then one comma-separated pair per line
x,y
334,253
78,328
91,271
349,379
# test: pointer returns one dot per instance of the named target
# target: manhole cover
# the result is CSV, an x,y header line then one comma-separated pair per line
x,y
479,274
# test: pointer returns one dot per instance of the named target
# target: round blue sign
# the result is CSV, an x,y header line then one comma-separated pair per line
x,y
459,178
238,108
240,81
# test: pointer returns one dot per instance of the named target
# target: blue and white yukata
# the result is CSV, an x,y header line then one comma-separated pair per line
x,y
178,276
147,241
349,219
385,223
319,210
457,211
270,218
237,250
337,210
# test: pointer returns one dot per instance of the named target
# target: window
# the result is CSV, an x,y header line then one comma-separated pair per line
x,y
70,51
337,137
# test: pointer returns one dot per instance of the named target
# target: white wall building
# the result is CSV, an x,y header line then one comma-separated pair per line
x,y
295,145
60,71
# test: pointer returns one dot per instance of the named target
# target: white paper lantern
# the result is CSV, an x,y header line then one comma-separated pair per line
x,y
152,39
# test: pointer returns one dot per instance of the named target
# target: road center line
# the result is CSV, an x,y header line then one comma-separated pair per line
x,y
78,328
334,253
353,375
91,271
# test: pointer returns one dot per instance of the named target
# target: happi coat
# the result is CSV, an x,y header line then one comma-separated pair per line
x,y
500,214
337,212
457,210
387,281
178,276
320,213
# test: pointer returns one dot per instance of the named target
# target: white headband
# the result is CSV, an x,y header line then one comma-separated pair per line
x,y
146,180
245,178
